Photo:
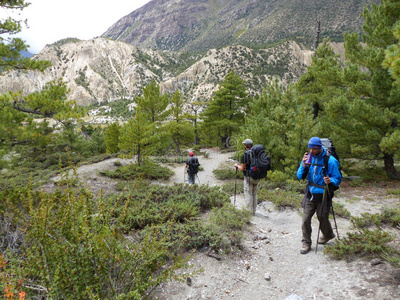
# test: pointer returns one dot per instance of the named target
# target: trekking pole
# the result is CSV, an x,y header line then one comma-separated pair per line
x,y
234,198
198,179
334,219
333,211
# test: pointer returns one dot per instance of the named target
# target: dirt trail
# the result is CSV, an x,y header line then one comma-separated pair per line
x,y
212,162
270,266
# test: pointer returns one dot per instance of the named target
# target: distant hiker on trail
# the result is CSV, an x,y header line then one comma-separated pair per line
x,y
250,185
192,165
323,175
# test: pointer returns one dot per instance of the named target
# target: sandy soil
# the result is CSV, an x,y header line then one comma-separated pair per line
x,y
271,266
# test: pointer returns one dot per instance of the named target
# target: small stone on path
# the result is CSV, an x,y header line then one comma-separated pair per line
x,y
294,297
267,277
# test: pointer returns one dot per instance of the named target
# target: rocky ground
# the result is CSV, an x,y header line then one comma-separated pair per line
x,y
271,266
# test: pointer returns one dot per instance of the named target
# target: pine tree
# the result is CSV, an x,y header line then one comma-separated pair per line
x,y
137,136
111,138
17,123
322,81
18,126
282,123
225,111
154,102
193,116
10,47
392,59
179,129
366,115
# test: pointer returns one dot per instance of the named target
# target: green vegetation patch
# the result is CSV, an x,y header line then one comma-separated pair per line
x,y
225,171
222,231
146,205
364,243
280,198
80,244
389,216
147,170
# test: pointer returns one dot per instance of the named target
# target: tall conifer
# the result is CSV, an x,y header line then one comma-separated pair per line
x,y
225,111
367,114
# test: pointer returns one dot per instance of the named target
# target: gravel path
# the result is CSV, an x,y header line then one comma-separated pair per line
x,y
271,266
215,158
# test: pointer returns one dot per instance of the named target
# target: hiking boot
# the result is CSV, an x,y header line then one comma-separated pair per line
x,y
305,248
324,240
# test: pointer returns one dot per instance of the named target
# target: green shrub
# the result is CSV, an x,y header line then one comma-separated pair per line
x,y
340,211
365,243
205,154
224,172
395,192
148,170
278,176
357,183
228,222
230,188
288,185
366,220
280,198
155,204
222,231
19,177
389,216
71,250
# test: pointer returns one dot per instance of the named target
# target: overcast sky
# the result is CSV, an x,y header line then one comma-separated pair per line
x,y
52,20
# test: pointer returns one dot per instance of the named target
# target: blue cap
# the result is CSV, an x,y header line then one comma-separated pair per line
x,y
315,143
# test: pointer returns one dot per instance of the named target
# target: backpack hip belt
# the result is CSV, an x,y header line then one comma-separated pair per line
x,y
316,185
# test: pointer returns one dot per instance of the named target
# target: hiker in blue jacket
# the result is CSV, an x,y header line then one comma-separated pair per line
x,y
318,178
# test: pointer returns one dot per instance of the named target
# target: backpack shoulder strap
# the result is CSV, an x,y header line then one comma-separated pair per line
x,y
326,161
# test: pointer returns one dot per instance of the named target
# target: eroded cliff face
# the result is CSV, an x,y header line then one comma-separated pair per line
x,y
257,67
97,70
102,70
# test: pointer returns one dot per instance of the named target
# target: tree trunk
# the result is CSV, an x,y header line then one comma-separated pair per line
x,y
317,37
316,109
196,134
225,141
389,166
178,150
138,155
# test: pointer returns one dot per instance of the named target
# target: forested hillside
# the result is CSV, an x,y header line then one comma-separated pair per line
x,y
197,26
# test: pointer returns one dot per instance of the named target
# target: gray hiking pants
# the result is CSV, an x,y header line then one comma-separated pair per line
x,y
310,207
250,187
191,178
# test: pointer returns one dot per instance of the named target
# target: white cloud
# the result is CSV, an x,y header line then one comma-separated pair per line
x,y
52,20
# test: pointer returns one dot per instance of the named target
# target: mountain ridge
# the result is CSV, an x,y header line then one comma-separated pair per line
x,y
199,25
102,70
